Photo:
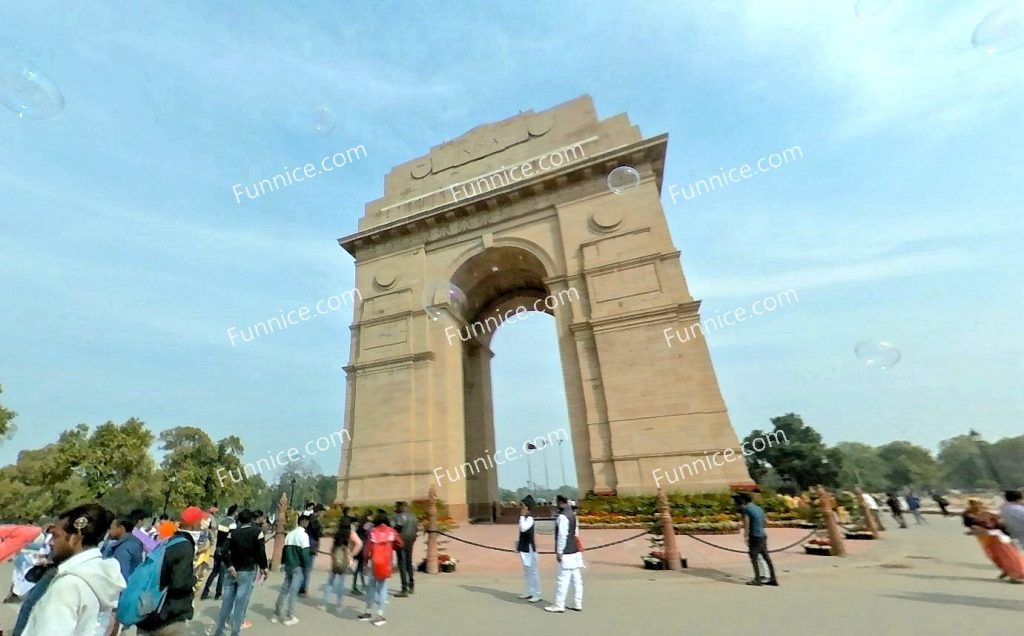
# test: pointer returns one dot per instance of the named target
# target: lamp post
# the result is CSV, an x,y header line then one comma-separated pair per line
x,y
291,499
561,460
529,469
167,496
544,447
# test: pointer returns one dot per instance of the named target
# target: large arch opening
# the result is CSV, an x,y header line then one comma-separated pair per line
x,y
504,286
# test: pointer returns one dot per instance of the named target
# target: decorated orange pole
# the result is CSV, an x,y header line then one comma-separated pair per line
x,y
835,538
432,532
282,508
869,519
668,533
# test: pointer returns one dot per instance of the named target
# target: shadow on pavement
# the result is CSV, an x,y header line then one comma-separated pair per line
x,y
501,595
714,575
952,599
952,578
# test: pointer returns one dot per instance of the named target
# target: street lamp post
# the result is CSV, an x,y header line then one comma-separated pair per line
x,y
167,496
529,468
547,482
292,498
561,460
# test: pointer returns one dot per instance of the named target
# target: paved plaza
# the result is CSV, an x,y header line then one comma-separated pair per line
x,y
929,579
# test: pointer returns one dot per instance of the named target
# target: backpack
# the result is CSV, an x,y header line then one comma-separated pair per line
x,y
143,595
381,550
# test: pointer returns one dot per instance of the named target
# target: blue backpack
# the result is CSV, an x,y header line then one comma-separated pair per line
x,y
143,595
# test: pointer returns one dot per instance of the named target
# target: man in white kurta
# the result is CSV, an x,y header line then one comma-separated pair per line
x,y
570,559
526,545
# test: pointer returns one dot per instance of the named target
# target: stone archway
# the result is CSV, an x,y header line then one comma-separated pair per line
x,y
548,226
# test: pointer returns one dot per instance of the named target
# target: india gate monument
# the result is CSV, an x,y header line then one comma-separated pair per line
x,y
491,225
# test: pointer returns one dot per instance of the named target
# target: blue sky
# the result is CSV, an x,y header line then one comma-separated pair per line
x,y
124,257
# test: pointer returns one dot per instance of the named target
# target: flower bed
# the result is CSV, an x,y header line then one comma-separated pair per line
x,y
820,546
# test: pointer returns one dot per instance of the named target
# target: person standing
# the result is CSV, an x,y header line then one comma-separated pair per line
x,y
178,578
1012,513
757,539
224,527
526,546
407,526
245,558
895,509
78,596
363,527
295,558
569,557
143,529
315,532
346,544
123,546
378,553
914,504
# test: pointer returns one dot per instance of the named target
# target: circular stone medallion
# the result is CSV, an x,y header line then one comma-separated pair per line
x,y
384,279
606,220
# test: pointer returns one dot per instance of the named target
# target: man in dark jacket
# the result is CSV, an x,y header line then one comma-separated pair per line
x,y
224,527
315,531
244,553
407,526
177,577
123,546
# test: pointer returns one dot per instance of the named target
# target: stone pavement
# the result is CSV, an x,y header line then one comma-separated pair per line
x,y
931,579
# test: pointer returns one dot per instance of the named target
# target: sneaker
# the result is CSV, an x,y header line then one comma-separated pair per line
x,y
379,621
773,583
291,621
575,609
275,619
756,582
534,599
402,594
356,592
554,608
365,616
525,596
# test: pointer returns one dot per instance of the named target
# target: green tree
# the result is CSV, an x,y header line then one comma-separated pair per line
x,y
861,464
961,463
794,450
198,471
908,464
6,420
1008,457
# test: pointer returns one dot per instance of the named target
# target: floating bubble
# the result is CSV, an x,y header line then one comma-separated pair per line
x,y
877,353
623,179
29,93
323,119
869,8
439,296
1000,31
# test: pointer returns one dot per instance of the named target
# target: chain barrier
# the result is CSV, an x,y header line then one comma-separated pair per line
x,y
722,547
497,549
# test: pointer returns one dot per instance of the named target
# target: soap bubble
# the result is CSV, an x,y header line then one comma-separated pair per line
x,y
877,353
323,119
29,93
1000,31
438,296
869,8
623,179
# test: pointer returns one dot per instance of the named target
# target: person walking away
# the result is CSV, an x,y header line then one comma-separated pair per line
x,y
914,503
894,509
753,518
1012,513
407,526
346,544
569,557
942,503
526,546
378,554
295,558
987,529
315,532
245,559
224,527
363,527
177,577
123,546
79,595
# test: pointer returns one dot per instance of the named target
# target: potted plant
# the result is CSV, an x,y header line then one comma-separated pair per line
x,y
820,546
446,563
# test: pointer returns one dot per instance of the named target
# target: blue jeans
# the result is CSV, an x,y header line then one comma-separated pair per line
x,y
335,582
289,590
376,594
237,590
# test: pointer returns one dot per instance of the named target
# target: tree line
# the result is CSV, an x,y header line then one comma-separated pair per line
x,y
964,462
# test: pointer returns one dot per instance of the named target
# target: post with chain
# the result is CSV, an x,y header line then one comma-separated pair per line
x,y
432,531
668,533
282,511
835,537
869,517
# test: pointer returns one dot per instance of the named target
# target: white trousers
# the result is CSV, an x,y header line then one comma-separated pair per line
x,y
531,573
562,578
